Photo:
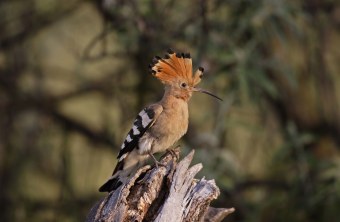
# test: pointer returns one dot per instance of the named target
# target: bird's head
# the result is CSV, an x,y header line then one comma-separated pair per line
x,y
175,72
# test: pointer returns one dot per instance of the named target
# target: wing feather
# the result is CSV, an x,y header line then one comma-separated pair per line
x,y
142,123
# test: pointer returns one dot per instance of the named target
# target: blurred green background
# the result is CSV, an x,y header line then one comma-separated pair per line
x,y
74,74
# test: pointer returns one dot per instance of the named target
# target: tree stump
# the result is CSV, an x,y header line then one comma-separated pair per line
x,y
167,193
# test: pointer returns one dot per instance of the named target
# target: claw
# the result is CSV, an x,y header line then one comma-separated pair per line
x,y
172,152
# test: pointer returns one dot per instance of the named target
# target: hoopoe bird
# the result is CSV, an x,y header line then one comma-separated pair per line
x,y
160,125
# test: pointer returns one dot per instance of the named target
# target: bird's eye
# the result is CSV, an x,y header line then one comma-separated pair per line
x,y
183,85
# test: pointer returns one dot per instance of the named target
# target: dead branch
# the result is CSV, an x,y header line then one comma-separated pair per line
x,y
166,193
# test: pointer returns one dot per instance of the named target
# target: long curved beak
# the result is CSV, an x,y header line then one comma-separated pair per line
x,y
206,92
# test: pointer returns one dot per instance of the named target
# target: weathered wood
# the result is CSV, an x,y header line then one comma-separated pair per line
x,y
167,193
217,214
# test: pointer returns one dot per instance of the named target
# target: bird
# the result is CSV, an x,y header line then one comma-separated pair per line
x,y
160,125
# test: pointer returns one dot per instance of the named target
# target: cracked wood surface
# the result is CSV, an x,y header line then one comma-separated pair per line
x,y
167,193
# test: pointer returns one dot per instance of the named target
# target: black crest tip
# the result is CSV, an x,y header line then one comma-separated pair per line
x,y
170,51
179,55
166,56
201,69
187,55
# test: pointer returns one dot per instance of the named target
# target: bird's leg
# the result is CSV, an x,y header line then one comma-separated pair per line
x,y
157,163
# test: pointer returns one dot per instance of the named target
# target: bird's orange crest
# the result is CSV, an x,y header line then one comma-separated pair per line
x,y
175,67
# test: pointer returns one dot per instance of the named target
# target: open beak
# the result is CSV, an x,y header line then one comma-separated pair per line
x,y
206,92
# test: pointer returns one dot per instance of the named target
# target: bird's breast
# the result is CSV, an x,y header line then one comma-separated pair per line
x,y
170,126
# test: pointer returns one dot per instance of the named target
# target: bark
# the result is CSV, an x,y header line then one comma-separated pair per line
x,y
167,193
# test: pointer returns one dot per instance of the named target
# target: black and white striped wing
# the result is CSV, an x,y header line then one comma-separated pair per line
x,y
142,123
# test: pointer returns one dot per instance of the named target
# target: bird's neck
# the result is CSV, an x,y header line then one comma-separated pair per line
x,y
171,99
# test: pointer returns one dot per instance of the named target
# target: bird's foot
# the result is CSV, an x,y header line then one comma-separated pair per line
x,y
173,152
157,163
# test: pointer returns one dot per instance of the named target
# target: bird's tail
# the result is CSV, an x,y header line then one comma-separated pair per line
x,y
115,181
123,170
111,184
